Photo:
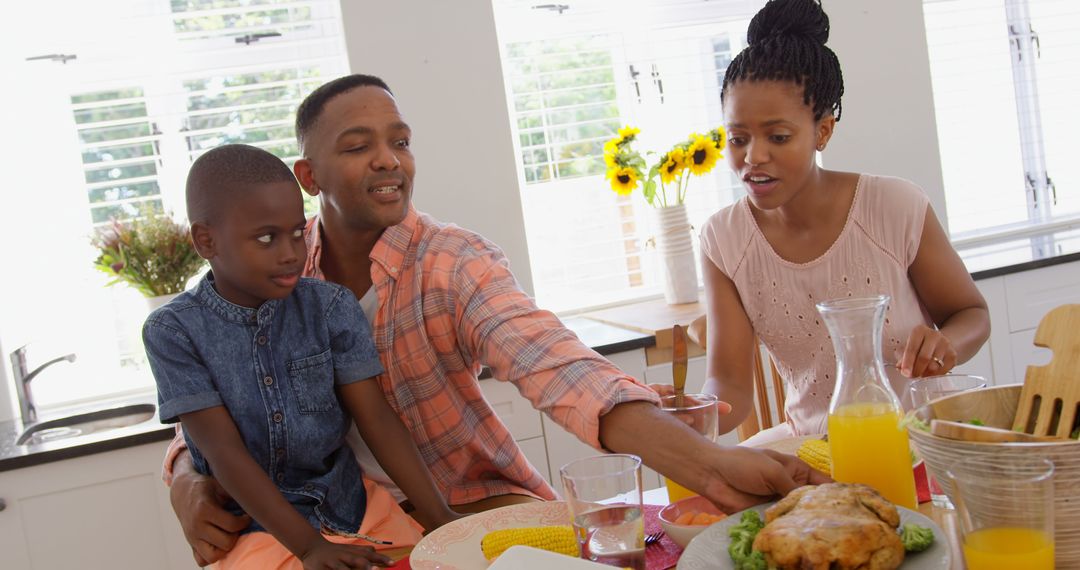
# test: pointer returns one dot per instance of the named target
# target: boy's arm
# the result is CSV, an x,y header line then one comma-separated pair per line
x,y
217,438
394,448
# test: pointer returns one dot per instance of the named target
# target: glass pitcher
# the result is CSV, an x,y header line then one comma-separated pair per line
x,y
868,443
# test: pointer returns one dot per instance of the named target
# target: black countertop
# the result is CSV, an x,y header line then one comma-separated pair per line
x,y
603,338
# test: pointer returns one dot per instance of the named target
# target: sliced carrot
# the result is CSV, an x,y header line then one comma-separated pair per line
x,y
685,518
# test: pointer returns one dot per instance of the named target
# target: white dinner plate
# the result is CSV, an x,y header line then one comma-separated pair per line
x,y
708,550
456,546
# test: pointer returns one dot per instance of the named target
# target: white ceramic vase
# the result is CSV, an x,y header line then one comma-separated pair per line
x,y
675,246
155,302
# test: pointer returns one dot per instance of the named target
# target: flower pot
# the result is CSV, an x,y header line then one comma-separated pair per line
x,y
674,244
155,302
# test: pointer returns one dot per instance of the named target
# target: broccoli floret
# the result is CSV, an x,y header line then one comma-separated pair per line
x,y
916,538
741,547
1075,434
976,422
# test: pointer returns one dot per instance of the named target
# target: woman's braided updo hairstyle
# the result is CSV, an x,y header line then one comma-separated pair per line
x,y
787,43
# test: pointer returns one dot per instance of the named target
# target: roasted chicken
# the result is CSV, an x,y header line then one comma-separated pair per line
x,y
837,526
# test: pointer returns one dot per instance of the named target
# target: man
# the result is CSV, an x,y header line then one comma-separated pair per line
x,y
443,304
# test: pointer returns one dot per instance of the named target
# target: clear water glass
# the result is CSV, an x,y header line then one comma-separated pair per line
x,y
604,495
922,391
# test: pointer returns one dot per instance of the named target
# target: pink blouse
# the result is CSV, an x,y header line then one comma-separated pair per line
x,y
871,256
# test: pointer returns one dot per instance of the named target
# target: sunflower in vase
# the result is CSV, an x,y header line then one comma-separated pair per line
x,y
696,156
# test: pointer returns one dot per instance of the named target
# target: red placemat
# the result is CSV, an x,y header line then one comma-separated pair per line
x,y
402,564
664,554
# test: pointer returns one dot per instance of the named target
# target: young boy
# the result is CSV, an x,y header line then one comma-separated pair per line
x,y
264,370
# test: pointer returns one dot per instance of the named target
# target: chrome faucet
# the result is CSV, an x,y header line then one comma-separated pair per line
x,y
27,410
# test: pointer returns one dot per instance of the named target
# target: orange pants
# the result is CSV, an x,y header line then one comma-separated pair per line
x,y
383,520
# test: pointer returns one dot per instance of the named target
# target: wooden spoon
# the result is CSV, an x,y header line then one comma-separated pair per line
x,y
678,363
986,434
1050,398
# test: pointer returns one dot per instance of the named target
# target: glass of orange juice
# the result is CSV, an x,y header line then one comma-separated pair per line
x,y
1006,510
698,411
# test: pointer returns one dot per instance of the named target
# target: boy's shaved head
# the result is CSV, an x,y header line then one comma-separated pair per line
x,y
223,173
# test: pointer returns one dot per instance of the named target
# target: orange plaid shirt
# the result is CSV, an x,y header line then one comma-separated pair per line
x,y
448,305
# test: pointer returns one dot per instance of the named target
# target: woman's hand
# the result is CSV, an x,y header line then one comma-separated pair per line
x,y
928,353
665,390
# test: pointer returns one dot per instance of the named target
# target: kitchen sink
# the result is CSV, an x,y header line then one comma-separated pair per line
x,y
86,423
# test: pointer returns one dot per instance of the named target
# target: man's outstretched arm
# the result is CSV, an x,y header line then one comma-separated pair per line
x,y
732,477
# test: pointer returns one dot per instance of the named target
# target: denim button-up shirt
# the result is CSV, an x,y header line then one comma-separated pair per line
x,y
275,369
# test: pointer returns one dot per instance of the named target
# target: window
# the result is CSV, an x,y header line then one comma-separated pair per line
x,y
577,72
1005,80
127,94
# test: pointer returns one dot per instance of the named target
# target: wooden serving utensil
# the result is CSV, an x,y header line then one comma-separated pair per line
x,y
1050,398
986,434
678,363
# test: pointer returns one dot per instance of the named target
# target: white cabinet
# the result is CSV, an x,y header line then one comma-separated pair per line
x,y
108,511
1017,303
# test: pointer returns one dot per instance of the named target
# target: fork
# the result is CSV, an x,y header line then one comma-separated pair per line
x,y
654,537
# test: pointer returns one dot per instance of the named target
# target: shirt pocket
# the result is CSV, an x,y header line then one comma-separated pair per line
x,y
312,379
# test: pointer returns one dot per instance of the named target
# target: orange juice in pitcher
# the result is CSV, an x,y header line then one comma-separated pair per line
x,y
868,444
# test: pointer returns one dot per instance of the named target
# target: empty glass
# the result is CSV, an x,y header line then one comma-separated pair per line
x,y
604,494
1006,511
924,390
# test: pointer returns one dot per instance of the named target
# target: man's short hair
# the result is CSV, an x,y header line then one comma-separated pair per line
x,y
312,106
223,172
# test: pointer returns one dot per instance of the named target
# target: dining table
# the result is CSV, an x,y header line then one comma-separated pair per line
x,y
944,518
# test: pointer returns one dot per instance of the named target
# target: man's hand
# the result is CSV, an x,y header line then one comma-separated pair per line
x,y
732,477
329,556
198,502
743,476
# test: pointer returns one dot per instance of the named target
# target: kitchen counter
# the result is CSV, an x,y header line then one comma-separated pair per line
x,y
14,456
603,338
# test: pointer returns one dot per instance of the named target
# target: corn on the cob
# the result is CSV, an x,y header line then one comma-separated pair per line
x,y
559,539
815,453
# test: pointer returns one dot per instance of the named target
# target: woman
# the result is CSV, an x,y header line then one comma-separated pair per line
x,y
805,234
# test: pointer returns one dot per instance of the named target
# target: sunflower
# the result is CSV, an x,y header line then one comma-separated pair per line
x,y
702,155
624,180
719,138
609,160
627,133
673,165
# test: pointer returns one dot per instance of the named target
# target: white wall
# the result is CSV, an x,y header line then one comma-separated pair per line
x,y
888,124
441,59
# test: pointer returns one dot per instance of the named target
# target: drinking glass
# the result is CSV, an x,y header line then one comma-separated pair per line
x,y
1006,511
922,391
604,494
700,413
